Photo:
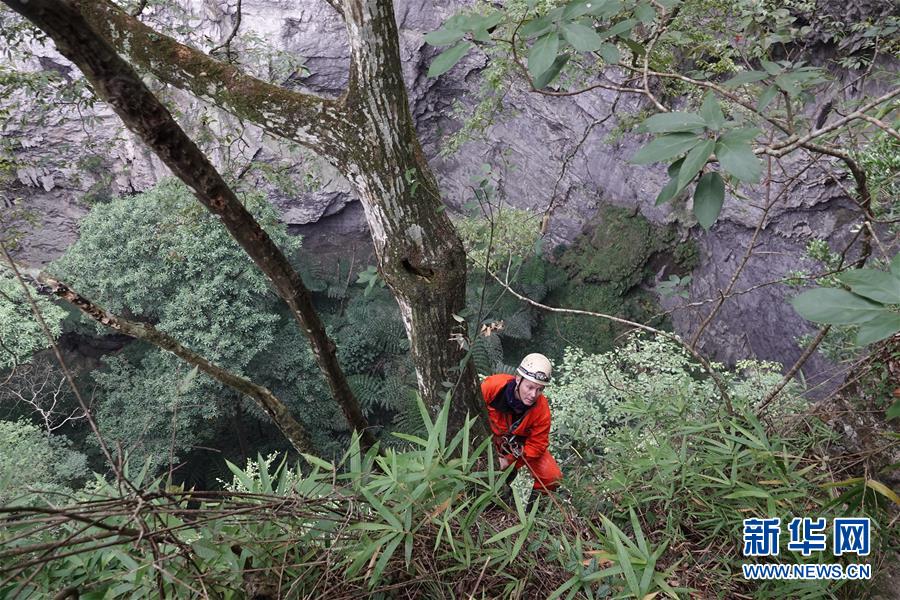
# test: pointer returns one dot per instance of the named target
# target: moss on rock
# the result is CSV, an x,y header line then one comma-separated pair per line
x,y
605,267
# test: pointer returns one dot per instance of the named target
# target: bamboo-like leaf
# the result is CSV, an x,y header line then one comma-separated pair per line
x,y
883,490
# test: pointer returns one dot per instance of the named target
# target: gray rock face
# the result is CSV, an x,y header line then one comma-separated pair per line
x,y
563,157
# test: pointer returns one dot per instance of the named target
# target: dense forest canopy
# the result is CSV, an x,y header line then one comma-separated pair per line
x,y
194,403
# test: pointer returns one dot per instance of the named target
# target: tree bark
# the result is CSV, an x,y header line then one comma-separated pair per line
x,y
369,136
116,82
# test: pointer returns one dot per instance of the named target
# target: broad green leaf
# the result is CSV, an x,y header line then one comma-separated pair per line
x,y
667,192
839,307
543,53
547,77
670,189
736,157
442,37
874,285
635,47
708,199
745,77
880,327
622,27
665,147
483,22
895,265
694,161
674,122
606,8
536,27
444,61
770,67
582,37
712,112
578,8
609,53
766,96
645,13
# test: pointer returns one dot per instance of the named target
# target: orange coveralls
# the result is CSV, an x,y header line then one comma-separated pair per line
x,y
534,430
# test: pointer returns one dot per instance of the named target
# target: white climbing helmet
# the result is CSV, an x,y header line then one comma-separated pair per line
x,y
537,368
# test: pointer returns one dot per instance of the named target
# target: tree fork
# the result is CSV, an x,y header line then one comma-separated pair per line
x,y
117,83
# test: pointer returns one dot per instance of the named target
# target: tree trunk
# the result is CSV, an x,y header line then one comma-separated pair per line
x,y
369,136
116,82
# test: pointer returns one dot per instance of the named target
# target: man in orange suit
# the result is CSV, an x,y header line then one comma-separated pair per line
x,y
520,420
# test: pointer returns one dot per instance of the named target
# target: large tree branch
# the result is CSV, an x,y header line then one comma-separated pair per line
x,y
316,122
117,83
295,433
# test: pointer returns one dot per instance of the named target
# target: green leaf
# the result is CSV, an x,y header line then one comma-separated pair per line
x,y
712,112
771,68
484,22
578,8
645,13
839,307
582,37
883,490
665,147
543,53
745,77
607,8
674,122
505,533
747,494
442,37
736,156
880,327
444,61
667,192
619,28
874,285
536,27
766,96
318,462
694,161
895,265
894,411
609,53
708,199
547,77
670,189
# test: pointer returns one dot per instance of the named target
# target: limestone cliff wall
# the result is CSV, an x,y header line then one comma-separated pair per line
x,y
72,155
